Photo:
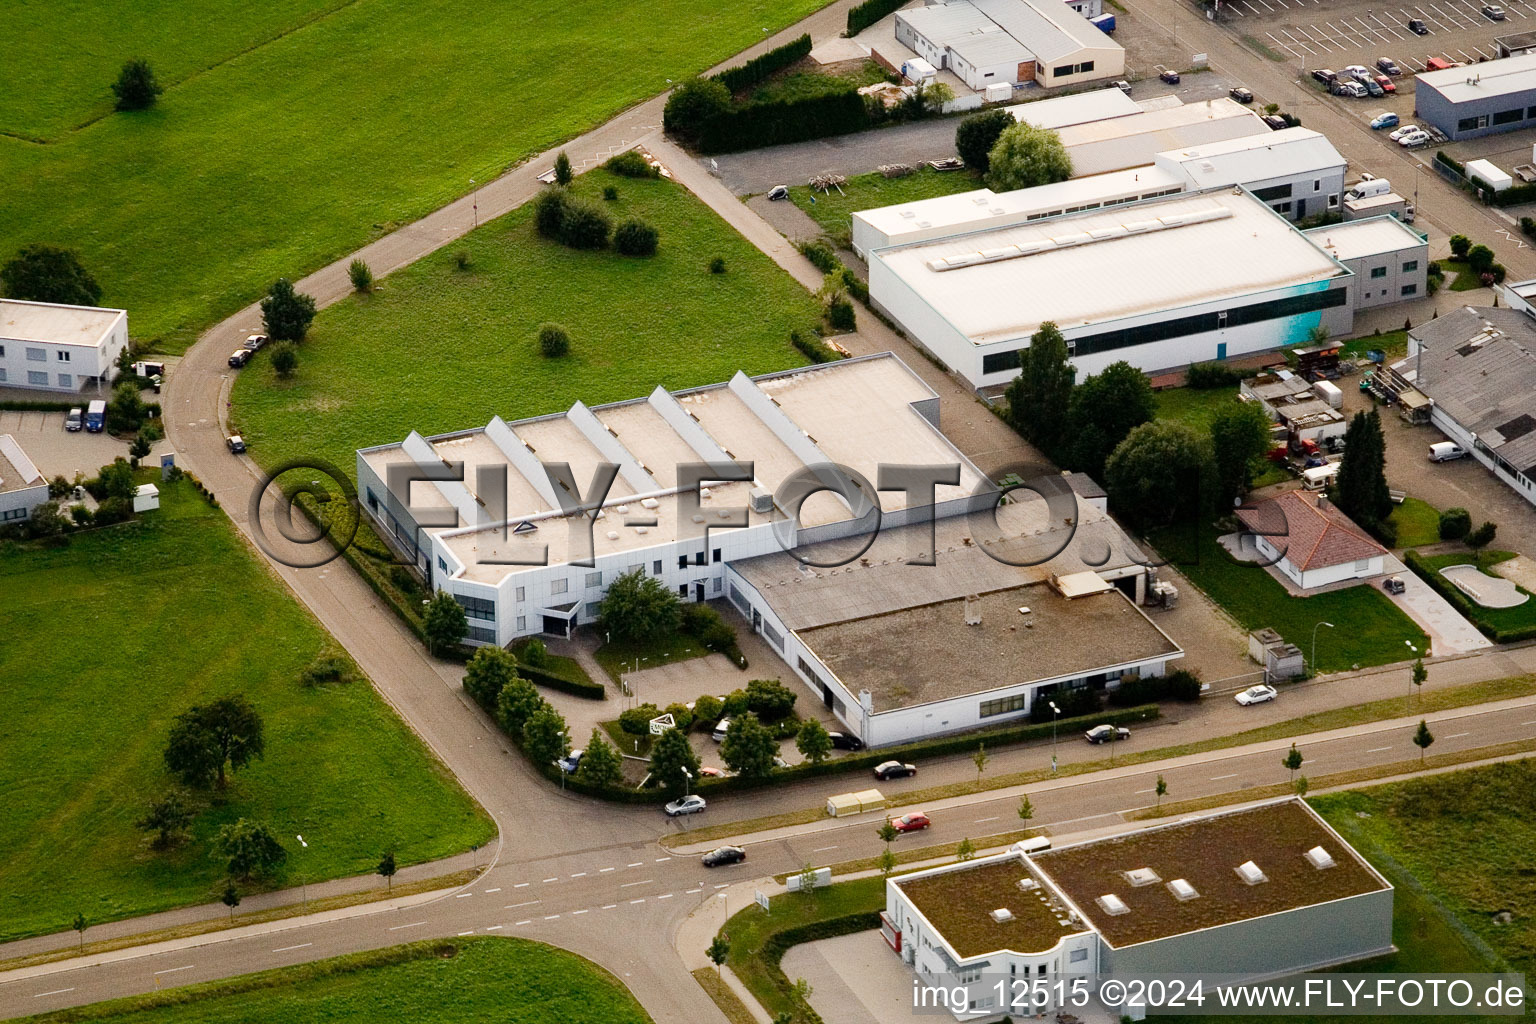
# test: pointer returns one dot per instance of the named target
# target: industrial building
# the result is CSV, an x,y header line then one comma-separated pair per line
x,y
1262,892
22,487
1297,171
54,347
985,42
1479,99
1134,141
1390,259
1307,538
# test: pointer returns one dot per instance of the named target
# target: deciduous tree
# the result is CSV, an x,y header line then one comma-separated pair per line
x,y
977,134
444,622
489,669
1239,436
1160,474
1039,398
601,765
516,703
136,87
1025,156
386,868
749,749
1292,761
41,273
813,742
285,313
1105,408
250,849
671,756
168,817
209,739
1422,738
545,736
639,608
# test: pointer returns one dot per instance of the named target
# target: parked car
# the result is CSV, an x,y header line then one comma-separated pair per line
x,y
1404,130
1107,734
1256,695
720,727
1359,72
1388,66
235,443
724,856
1417,138
1171,77
1494,12
1324,75
1350,88
690,804
1445,451
1123,86
1417,27
1393,585
1372,89
1440,64
843,741
1275,122
779,192
239,357
709,771
1388,120
75,421
1241,94
914,822
1387,85
894,770
570,762
96,417
255,342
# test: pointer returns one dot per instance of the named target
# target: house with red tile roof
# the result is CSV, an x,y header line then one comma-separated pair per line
x,y
1309,540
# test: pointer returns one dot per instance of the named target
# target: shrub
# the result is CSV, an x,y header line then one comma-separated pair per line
x,y
857,288
977,135
534,653
554,341
1385,531
635,238
682,718
80,514
584,227
329,669
1455,523
813,348
734,704
821,256
759,68
1073,703
610,193
861,16
462,259
769,699
1434,269
1211,375
717,265
1460,244
136,87
637,721
692,105
285,359
1480,259
707,710
1179,685
1482,536
775,122
840,315
114,510
632,164
362,277
548,213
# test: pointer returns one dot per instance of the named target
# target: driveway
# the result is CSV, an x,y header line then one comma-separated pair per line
x,y
57,452
1449,631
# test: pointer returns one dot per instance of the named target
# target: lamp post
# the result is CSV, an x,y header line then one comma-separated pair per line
x,y
1409,644
303,882
1314,642
474,201
1055,714
687,778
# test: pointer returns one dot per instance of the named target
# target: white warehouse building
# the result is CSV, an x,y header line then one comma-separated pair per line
x,y
54,347
985,42
22,487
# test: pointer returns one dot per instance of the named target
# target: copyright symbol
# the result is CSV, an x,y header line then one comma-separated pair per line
x,y
283,494
1112,992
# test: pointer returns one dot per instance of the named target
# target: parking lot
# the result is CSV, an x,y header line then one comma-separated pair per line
x,y
57,452
1332,33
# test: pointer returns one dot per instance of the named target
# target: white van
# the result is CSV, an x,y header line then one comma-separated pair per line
x,y
1367,189
720,727
1034,844
1319,477
1445,451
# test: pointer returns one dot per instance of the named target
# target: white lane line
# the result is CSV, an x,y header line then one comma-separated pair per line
x,y
666,895
1141,791
660,859
580,874
691,892
722,885
647,881
470,932
55,992
522,923
413,924
514,906
1457,735
603,870
640,900
285,949
1531,722
173,970
1218,778
823,849
609,906
551,917
1377,750
522,885
493,928
462,895
575,912
994,817
555,879
488,891
636,864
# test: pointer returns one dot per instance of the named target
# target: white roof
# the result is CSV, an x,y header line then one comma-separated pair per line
x,y
945,24
986,49
55,323
1357,238
1079,108
1117,143
1251,158
1488,171
1229,245
16,470
1482,81
1051,30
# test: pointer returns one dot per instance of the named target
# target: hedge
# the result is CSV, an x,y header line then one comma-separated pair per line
x,y
863,15
1462,604
774,122
779,943
1441,156
37,406
813,348
575,687
1515,196
759,68
1211,375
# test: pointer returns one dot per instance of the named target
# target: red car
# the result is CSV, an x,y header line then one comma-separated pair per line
x,y
915,822
1385,83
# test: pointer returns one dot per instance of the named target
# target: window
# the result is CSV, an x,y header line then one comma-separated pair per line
x,y
594,579
698,558
774,636
37,378
559,586
1466,124
373,500
482,634
1062,71
14,513
1317,185
522,594
656,567
62,356
715,555
967,975
1085,67
2,351
1509,116
1529,112
714,585
1410,266
682,561
1273,192
477,607
2,374
1077,956
1362,564
442,566
1378,272
592,608
1003,705
637,568
522,623
1333,201
36,355
1281,207
66,381
1410,289
682,590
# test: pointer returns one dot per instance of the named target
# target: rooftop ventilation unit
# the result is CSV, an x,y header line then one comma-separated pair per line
x,y
1142,876
1249,872
1002,915
762,501
1182,890
1112,905
623,510
1319,858
613,534
1028,884
649,503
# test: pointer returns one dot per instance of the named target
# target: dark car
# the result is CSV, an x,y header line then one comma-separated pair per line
x,y
1494,12
1393,585
235,443
1388,66
1241,95
1417,27
1275,122
723,856
1107,734
239,357
843,741
1324,75
894,770
1171,77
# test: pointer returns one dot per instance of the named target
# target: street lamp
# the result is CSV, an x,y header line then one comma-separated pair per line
x,y
687,778
474,200
1314,642
1056,714
1409,644
303,882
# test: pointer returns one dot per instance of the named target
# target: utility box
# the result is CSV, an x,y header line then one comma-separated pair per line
x,y
999,92
870,800
1281,660
842,803
146,498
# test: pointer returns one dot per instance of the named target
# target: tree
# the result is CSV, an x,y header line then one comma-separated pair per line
x,y
1161,791
208,738
1455,524
1361,486
139,448
285,313
1039,398
516,703
671,758
285,359
1026,809
1292,761
1103,410
117,479
41,273
1159,474
635,238
125,410
563,173
79,925
1025,156
977,135
1480,259
387,869
250,849
554,341
769,699
691,105
1423,738
640,609
230,898
813,742
887,833
444,622
545,736
965,851
934,95
749,749
980,759
807,879
136,88
489,670
1482,536
1239,436
1459,246
584,227
548,213
887,862
168,817
1417,674
1302,785
718,950
601,765
361,276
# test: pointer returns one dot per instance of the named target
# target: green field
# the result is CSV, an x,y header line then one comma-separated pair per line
x,y
1197,408
293,133
1417,523
511,981
159,615
438,348
833,210
1521,616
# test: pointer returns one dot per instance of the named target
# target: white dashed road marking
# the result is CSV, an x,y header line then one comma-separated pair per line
x,y
55,992
285,949
514,906
413,924
647,881
173,970
1218,778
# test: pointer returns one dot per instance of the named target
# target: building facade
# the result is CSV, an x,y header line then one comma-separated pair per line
x,y
53,347
1389,259
22,487
1479,99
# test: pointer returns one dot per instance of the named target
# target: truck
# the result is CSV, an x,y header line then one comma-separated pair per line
x,y
96,416
1104,23
1365,188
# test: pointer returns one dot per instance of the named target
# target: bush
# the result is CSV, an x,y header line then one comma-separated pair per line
x,y
775,122
813,348
1460,244
81,515
1211,375
534,653
861,16
1181,685
1074,703
584,688
821,255
707,710
857,288
361,276
1434,269
548,213
637,721
554,341
635,238
840,315
682,718
285,359
759,68
769,699
610,193
1455,523
114,510
462,259
1480,259
136,88
717,265
1385,531
584,227
1482,536
977,135
693,104
631,164
330,669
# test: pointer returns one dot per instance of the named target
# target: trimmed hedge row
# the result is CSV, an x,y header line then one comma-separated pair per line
x,y
36,406
863,15
1441,156
575,687
779,943
1515,195
1461,603
759,68
772,123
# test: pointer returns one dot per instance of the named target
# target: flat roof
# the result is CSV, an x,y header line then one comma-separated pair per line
x,y
1050,29
1375,236
959,903
1487,80
1206,852
56,324
1160,254
945,23
1253,158
17,473
981,49
1078,108
929,653
1163,120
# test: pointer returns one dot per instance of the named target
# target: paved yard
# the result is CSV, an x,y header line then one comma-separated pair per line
x,y
1343,32
57,452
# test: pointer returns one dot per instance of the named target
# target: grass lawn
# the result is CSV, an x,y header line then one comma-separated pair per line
x,y
438,348
292,135
1197,408
1393,343
620,657
1521,616
801,84
1463,280
1417,522
437,982
866,191
155,626
1369,628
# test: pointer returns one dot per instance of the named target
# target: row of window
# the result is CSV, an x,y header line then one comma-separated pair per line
x,y
1004,705
39,378
14,513
1510,116
40,355
1408,268
1063,70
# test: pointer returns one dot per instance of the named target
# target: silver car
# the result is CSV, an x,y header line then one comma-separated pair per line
x,y
691,804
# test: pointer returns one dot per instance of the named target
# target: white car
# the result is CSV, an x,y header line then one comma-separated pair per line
x,y
691,804
1256,695
1417,138
1406,129
1359,73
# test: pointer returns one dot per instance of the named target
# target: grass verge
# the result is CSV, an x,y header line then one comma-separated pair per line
x,y
984,845
724,997
1492,621
834,211
1417,523
619,658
